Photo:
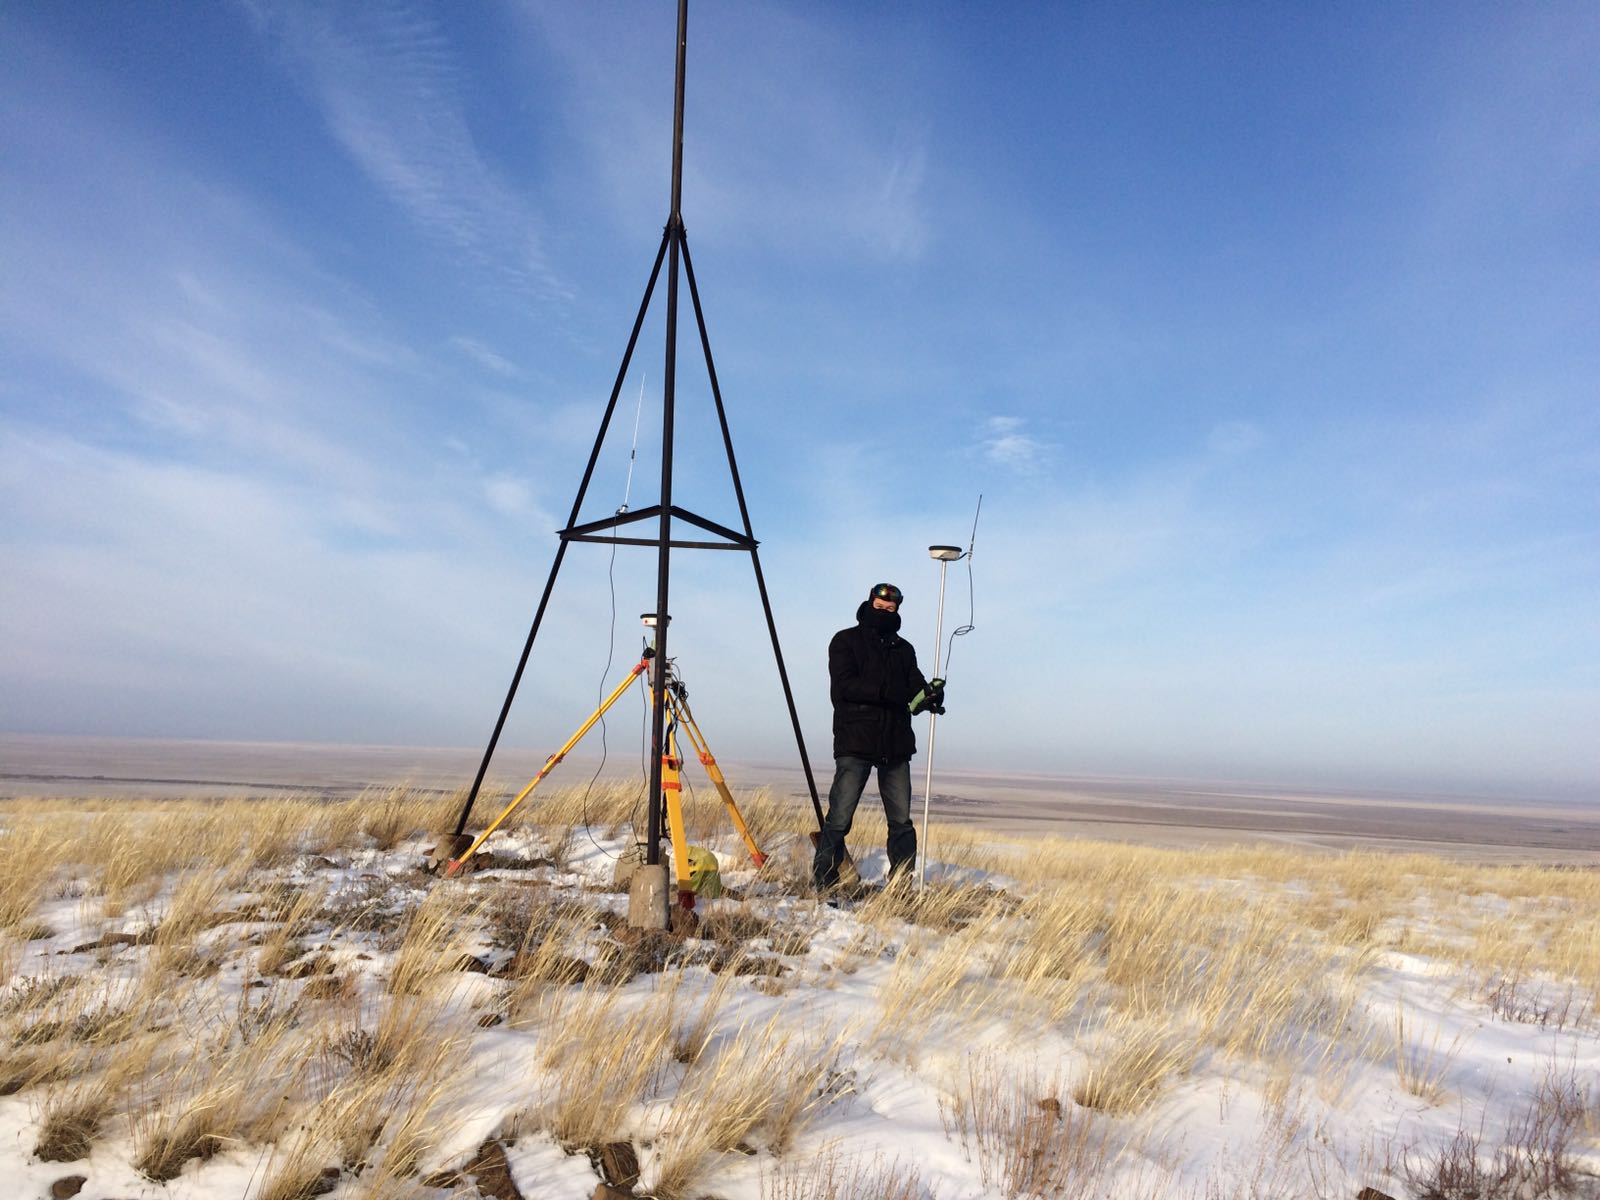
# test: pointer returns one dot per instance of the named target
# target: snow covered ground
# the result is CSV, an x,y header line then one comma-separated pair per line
x,y
224,1002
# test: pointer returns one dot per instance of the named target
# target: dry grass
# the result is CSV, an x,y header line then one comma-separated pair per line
x,y
1025,1136
1053,958
391,815
1141,964
192,909
1421,1066
761,1086
547,958
832,1177
294,916
604,1057
438,936
1131,1062
1538,1156
74,1114
938,987
384,1120
231,1090
690,1039
35,850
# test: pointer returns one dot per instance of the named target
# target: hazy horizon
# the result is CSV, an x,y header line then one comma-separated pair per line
x,y
453,766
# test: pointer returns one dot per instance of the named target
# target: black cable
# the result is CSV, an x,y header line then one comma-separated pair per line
x,y
600,696
644,731
667,735
971,594
611,646
688,793
963,630
644,760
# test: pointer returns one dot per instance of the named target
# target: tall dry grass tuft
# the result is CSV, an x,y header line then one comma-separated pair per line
x,y
391,815
1024,1137
832,1177
80,1010
300,1165
1131,1064
34,851
438,936
294,920
1421,1067
381,1119
229,1087
606,805
938,987
1052,960
547,959
11,952
190,912
367,1040
63,1030
941,907
136,849
73,1114
334,826
690,1039
770,817
1261,989
272,834
604,1057
419,1118
761,1085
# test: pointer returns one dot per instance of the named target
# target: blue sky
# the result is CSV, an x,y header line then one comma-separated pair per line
x,y
1269,333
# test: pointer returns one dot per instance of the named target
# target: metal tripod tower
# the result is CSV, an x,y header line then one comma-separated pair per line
x,y
674,251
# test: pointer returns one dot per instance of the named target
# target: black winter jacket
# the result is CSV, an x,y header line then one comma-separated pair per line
x,y
874,676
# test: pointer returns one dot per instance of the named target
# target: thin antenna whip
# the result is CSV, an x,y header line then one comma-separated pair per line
x,y
633,453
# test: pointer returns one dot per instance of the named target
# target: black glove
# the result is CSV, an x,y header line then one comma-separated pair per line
x,y
929,699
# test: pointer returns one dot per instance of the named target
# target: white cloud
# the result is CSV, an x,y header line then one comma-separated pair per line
x,y
1232,438
387,81
486,357
795,134
1006,443
509,496
892,215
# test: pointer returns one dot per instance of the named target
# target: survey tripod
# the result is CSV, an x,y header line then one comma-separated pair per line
x,y
675,700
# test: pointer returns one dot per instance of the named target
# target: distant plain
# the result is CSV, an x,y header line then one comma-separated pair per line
x,y
1156,812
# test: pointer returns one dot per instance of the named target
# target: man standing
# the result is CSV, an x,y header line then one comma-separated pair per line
x,y
876,688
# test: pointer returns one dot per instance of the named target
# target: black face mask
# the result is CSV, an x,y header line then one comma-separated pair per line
x,y
881,620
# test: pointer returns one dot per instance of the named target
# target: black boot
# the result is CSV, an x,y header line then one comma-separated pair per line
x,y
902,851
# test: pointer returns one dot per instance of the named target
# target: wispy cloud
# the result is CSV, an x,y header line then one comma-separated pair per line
x,y
388,84
1007,443
486,357
891,215
159,594
798,136
509,496
1232,438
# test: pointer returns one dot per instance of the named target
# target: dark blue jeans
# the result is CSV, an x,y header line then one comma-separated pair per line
x,y
849,781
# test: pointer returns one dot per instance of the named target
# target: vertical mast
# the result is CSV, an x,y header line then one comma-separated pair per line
x,y
668,391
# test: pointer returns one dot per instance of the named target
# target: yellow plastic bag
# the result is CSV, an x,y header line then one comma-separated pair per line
x,y
704,878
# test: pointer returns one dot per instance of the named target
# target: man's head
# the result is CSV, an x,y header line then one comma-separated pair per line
x,y
885,596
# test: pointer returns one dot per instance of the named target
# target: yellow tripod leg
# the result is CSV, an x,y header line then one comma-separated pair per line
x,y
708,760
453,867
672,786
